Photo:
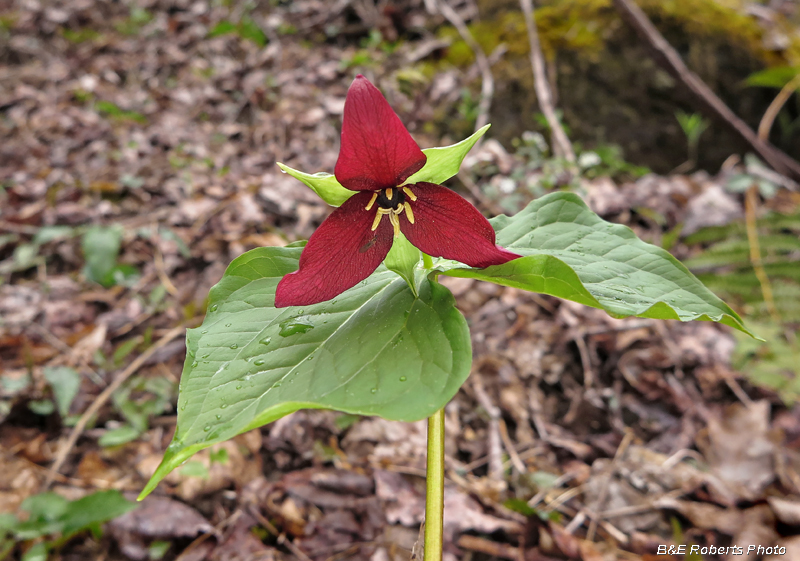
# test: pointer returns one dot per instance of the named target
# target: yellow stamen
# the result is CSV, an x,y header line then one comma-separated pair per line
x,y
372,201
389,193
378,216
395,224
410,195
409,212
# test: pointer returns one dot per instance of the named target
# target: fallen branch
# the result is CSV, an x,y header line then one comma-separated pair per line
x,y
706,100
561,144
487,80
64,450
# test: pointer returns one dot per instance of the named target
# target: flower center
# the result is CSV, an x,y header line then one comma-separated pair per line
x,y
392,201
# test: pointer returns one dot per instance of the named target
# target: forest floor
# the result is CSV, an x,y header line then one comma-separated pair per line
x,y
138,159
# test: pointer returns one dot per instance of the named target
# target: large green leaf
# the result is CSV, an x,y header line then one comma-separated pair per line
x,y
572,253
442,164
377,349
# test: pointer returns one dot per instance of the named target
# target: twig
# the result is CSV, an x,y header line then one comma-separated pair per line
x,y
255,513
103,397
487,80
482,545
588,373
65,349
775,107
538,497
495,446
561,145
601,499
706,99
750,205
516,461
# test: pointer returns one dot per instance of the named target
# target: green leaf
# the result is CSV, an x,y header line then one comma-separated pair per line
x,y
101,247
44,506
249,29
374,350
94,509
776,77
65,382
222,28
194,469
323,184
772,363
50,233
443,163
119,435
43,407
37,552
572,253
403,259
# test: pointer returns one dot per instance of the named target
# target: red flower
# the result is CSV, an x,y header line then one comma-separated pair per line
x,y
377,155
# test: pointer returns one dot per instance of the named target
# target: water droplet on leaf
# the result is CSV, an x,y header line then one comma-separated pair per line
x,y
373,390
292,326
260,362
265,340
235,346
213,308
403,378
206,428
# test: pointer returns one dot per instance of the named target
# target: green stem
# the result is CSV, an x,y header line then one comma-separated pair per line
x,y
434,488
427,262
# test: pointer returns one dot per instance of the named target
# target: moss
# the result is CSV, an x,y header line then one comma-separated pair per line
x,y
609,88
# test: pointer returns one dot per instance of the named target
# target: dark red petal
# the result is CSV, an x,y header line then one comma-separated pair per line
x,y
446,225
342,252
377,152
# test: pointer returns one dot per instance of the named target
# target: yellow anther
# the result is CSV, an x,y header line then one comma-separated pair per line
x,y
378,216
410,195
395,224
389,193
372,201
409,212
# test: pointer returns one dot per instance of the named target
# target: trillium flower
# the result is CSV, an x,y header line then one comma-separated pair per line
x,y
377,156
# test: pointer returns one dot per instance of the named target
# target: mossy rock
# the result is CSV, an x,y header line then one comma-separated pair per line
x,y
609,88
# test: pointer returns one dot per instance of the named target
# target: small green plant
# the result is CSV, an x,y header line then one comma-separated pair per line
x,y
137,401
47,521
101,246
693,127
82,35
245,28
27,255
112,111
138,18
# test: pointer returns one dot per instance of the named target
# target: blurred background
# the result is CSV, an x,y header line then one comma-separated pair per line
x,y
138,142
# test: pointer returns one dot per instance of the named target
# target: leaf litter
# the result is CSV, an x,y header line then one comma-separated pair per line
x,y
577,435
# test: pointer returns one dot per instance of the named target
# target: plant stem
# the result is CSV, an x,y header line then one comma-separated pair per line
x,y
434,488
427,261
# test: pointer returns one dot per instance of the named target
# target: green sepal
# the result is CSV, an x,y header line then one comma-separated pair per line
x,y
403,259
442,164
